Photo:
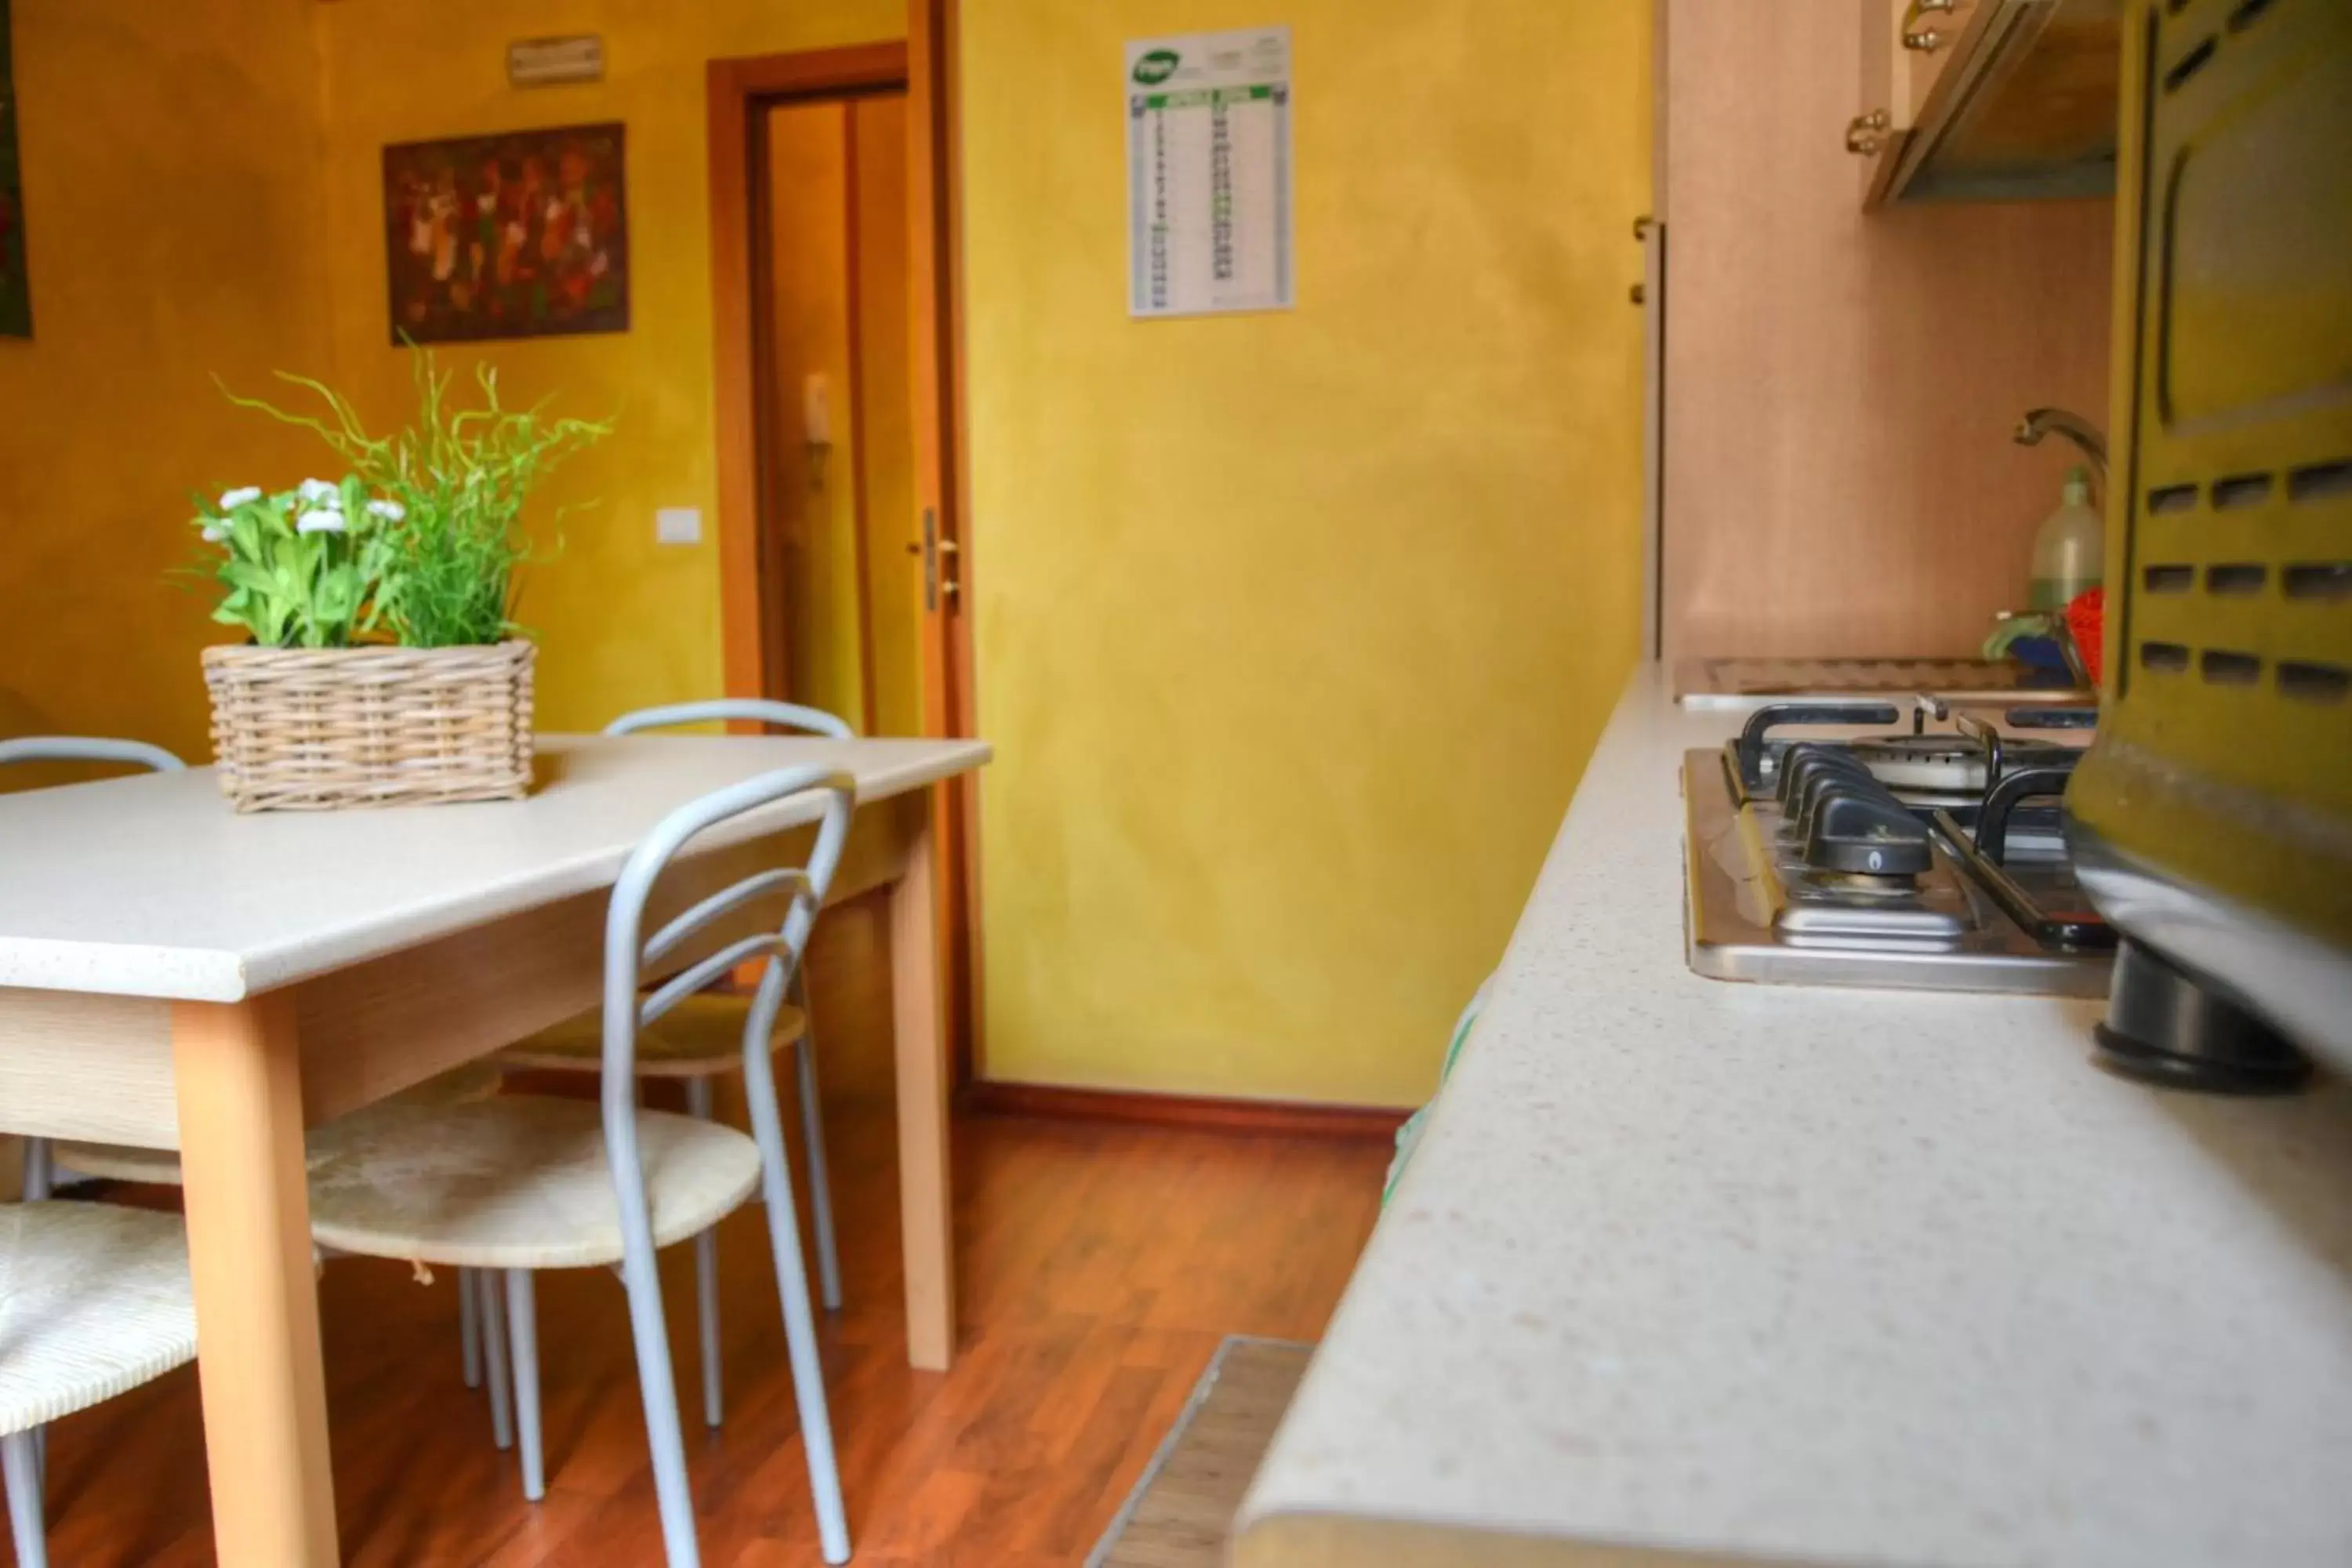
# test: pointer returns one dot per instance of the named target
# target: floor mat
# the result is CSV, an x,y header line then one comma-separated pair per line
x,y
1183,1505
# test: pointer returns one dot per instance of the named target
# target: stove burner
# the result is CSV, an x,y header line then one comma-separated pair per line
x,y
1937,763
1749,750
1969,764
1932,859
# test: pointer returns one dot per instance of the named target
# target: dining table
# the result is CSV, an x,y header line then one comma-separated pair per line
x,y
175,975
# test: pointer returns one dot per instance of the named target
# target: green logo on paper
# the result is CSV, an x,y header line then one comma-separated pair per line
x,y
1156,66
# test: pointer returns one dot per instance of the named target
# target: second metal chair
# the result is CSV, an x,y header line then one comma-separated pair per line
x,y
703,1039
522,1183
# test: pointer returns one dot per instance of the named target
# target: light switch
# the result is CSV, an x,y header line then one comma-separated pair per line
x,y
678,525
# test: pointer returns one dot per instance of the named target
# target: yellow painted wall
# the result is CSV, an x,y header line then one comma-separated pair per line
x,y
620,621
170,162
1295,630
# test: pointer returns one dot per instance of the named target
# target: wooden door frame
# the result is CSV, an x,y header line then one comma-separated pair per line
x,y
923,63
737,88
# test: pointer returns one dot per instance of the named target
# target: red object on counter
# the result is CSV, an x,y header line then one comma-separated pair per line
x,y
2086,621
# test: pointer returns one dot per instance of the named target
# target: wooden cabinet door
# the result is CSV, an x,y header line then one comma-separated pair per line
x,y
1906,45
1882,114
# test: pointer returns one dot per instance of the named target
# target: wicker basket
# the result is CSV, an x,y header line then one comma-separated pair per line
x,y
326,728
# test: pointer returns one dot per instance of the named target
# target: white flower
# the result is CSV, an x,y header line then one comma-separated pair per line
x,y
320,523
390,510
319,493
233,499
215,532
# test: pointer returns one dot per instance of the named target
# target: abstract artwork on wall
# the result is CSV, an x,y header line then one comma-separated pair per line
x,y
15,291
523,234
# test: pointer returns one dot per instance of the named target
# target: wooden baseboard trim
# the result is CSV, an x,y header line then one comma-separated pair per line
x,y
1270,1118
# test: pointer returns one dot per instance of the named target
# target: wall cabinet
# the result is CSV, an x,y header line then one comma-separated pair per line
x,y
1906,45
1986,100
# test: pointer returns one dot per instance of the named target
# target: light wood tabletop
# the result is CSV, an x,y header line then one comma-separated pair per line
x,y
176,975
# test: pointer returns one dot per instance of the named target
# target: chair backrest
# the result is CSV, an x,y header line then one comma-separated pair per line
x,y
757,709
89,749
628,952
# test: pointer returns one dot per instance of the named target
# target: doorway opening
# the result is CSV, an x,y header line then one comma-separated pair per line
x,y
830,384
840,594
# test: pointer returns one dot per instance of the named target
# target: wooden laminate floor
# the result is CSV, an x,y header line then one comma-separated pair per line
x,y
1100,1268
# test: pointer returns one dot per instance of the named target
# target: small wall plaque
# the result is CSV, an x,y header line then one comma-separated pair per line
x,y
554,62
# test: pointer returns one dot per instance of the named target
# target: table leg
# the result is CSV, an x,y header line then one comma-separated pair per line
x,y
237,1072
924,1217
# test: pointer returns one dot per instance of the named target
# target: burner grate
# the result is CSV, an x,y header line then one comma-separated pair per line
x,y
1933,858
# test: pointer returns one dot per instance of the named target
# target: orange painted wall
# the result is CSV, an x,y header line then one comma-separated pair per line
x,y
203,185
622,622
170,167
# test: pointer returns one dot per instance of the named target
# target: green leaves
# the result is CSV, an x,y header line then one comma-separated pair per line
x,y
288,587
463,475
436,555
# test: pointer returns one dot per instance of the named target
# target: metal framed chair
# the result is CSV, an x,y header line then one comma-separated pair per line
x,y
40,1168
160,1167
523,1183
704,1038
459,1086
89,749
94,1300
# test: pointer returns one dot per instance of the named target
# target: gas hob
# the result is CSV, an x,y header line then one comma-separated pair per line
x,y
1930,856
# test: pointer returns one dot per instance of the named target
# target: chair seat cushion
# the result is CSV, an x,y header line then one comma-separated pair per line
x,y
94,1300
160,1167
699,1037
519,1181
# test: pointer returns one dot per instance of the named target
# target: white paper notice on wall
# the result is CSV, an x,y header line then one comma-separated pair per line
x,y
1208,173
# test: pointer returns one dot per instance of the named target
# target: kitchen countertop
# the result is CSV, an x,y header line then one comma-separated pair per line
x,y
1739,1273
172,908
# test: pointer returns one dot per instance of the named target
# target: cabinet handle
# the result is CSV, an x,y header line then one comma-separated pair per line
x,y
1866,132
1926,41
1918,8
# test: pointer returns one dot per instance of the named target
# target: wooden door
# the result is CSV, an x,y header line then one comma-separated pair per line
x,y
934,343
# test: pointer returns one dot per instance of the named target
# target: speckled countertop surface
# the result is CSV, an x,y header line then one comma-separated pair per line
x,y
1829,1276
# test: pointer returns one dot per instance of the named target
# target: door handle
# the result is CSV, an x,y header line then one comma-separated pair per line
x,y
938,582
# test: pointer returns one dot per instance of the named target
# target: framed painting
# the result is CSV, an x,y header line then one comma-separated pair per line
x,y
16,290
523,234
